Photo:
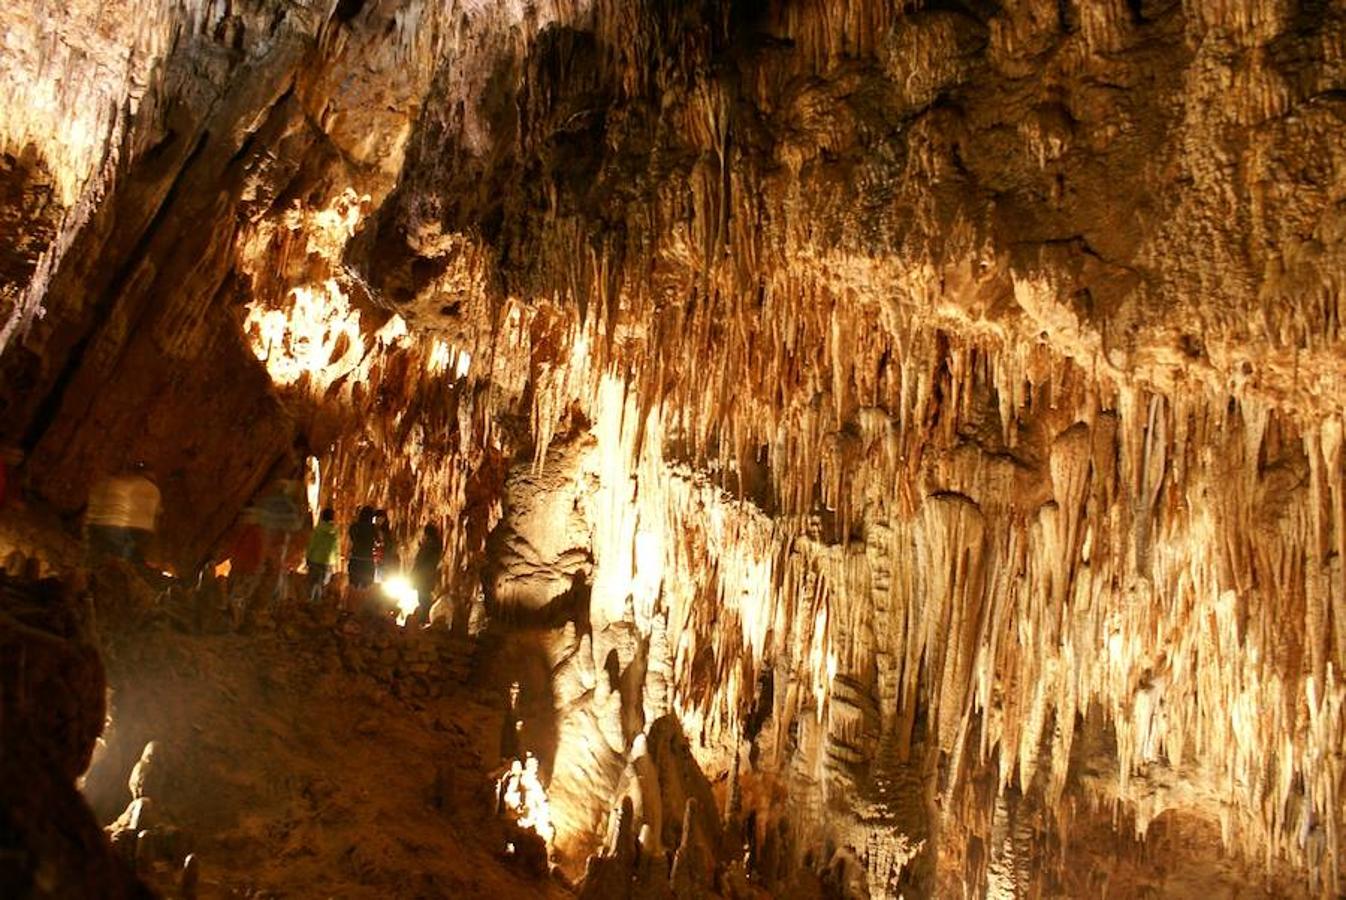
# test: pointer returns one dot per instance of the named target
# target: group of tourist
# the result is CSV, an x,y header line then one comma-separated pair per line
x,y
372,556
122,516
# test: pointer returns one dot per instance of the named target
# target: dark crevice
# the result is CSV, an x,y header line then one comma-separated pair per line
x,y
1063,16
347,10
245,149
981,10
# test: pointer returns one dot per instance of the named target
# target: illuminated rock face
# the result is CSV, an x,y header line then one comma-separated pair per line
x,y
941,404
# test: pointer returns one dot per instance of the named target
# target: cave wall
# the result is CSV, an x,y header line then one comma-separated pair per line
x,y
52,697
966,370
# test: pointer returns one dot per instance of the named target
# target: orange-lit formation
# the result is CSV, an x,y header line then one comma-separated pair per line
x,y
898,445
526,799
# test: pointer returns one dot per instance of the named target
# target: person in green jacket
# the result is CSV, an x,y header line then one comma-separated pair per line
x,y
323,553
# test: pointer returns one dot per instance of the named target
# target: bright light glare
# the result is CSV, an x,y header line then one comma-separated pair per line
x,y
439,357
526,799
579,350
823,661
404,597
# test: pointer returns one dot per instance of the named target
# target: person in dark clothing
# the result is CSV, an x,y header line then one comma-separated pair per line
x,y
425,570
387,561
360,559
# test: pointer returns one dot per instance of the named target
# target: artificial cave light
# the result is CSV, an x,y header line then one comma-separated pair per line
x,y
403,595
313,486
443,357
438,360
579,348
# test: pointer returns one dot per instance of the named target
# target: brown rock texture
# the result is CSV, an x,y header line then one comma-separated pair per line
x,y
51,712
967,372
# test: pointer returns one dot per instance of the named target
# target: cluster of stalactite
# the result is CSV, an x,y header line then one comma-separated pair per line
x,y
983,514
190,170
954,387
946,511
981,508
1164,561
393,419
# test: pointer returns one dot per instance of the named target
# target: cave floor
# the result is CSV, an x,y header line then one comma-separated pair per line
x,y
291,777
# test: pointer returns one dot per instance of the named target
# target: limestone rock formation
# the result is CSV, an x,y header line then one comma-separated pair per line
x,y
968,372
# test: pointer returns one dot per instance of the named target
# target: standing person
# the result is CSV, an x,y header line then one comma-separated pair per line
x,y
245,566
322,554
122,514
386,557
360,550
282,516
425,569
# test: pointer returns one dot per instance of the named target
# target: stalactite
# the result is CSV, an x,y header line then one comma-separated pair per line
x,y
881,400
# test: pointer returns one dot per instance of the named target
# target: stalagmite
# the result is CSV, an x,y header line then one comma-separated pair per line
x,y
190,880
690,876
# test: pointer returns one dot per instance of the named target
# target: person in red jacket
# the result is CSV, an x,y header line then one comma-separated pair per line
x,y
245,566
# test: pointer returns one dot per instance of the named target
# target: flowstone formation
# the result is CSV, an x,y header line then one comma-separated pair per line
x,y
930,412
